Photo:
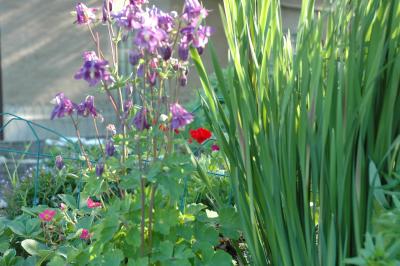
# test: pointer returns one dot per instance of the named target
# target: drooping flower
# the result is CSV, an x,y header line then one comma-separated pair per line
x,y
85,235
106,10
84,15
200,134
110,148
99,169
166,21
63,106
93,204
47,215
165,52
215,147
94,69
86,107
180,117
140,120
59,162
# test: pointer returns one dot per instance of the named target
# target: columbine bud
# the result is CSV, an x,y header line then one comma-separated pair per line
x,y
183,80
152,78
99,169
183,52
166,53
110,148
59,162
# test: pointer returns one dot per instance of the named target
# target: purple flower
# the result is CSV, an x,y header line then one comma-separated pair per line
x,y
86,107
106,10
150,38
99,169
165,52
201,37
140,120
130,17
138,2
183,52
180,117
84,15
59,162
193,12
94,69
63,106
166,21
110,148
134,57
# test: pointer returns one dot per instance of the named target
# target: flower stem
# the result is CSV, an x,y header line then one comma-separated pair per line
x,y
78,134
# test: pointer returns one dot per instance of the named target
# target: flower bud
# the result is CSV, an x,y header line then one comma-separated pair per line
x,y
110,148
99,169
59,162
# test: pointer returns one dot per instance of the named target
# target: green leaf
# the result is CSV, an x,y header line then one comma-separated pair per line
x,y
138,262
69,200
220,258
56,261
164,219
35,248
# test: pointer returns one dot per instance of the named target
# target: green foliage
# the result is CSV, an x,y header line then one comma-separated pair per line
x,y
310,132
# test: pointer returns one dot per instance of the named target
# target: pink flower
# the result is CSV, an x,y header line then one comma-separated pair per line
x,y
85,235
92,204
47,215
63,207
215,147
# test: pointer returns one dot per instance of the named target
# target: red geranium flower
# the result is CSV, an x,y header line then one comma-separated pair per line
x,y
200,134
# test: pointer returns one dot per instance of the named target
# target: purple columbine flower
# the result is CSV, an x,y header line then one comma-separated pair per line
x,y
201,36
150,38
99,169
180,117
63,106
140,120
59,162
86,107
94,69
110,148
166,21
106,10
130,17
194,12
84,15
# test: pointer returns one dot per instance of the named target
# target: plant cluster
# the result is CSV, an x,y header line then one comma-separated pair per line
x,y
137,202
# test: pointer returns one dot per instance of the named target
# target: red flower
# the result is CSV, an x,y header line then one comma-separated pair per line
x,y
47,215
215,147
92,204
85,235
200,134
